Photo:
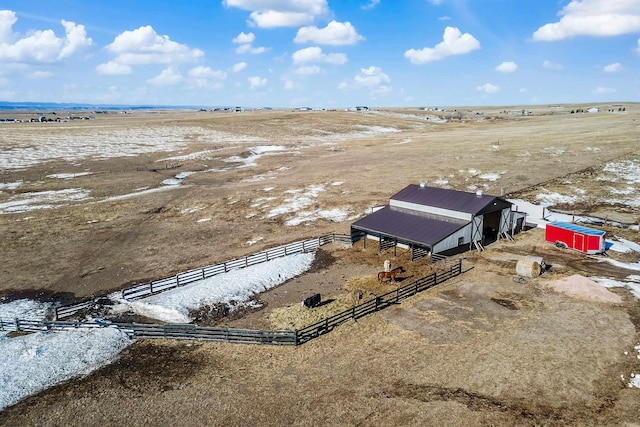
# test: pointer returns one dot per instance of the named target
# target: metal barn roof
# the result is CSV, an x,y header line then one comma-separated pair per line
x,y
422,229
455,200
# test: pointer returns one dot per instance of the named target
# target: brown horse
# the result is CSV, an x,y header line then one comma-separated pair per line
x,y
391,275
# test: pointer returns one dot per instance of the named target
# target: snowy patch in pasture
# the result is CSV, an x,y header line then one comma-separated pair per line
x,y
254,241
139,193
594,149
550,199
626,170
635,266
35,362
203,220
491,176
10,185
404,141
297,200
205,155
254,154
267,189
172,181
191,210
632,283
378,129
26,202
441,181
68,175
333,215
73,143
628,244
233,288
337,183
553,151
25,309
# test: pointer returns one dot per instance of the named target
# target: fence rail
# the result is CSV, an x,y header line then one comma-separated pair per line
x,y
246,336
191,276
378,303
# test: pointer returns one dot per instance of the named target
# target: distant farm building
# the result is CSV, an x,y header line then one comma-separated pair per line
x,y
431,220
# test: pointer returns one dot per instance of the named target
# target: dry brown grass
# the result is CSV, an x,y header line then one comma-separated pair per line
x,y
478,350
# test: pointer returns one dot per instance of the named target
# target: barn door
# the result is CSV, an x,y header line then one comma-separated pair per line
x,y
476,229
578,242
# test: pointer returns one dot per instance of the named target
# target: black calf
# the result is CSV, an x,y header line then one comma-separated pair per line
x,y
312,301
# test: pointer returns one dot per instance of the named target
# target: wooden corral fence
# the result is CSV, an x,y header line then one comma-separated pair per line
x,y
377,303
169,331
247,336
190,276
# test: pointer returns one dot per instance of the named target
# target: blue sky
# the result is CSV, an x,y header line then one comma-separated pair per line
x,y
320,53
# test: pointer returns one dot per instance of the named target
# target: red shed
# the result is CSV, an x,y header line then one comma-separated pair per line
x,y
578,237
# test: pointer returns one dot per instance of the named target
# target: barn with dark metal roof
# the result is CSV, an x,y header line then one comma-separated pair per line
x,y
438,220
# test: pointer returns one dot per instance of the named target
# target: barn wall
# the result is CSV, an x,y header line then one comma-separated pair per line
x,y
430,209
451,242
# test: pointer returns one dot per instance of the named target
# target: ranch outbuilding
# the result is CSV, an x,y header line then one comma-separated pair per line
x,y
432,220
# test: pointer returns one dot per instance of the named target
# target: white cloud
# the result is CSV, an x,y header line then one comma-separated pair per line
x,y
289,85
453,43
335,33
488,88
76,39
367,77
598,18
245,41
372,4
243,38
552,65
507,67
281,13
201,72
113,68
308,70
40,46
40,75
168,77
613,68
145,46
315,54
202,77
603,90
239,67
256,82
637,49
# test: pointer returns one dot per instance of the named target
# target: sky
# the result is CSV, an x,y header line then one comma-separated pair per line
x,y
320,53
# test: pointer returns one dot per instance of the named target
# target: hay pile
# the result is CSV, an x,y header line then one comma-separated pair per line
x,y
296,316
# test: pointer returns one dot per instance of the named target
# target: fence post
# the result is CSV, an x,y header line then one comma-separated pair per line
x,y
202,273
17,325
178,280
151,287
295,337
303,246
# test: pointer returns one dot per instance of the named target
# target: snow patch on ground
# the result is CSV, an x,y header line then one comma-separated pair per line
x,y
34,362
68,175
26,202
233,288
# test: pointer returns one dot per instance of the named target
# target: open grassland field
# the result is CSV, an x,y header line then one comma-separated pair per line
x,y
89,207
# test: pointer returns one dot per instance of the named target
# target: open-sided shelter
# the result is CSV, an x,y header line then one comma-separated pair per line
x,y
433,220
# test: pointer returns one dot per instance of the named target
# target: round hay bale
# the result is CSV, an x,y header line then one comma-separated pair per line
x,y
528,268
